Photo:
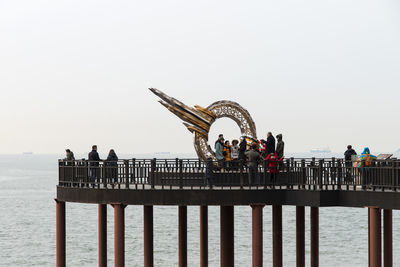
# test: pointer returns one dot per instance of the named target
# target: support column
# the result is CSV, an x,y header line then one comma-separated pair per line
x,y
60,234
203,236
257,235
300,237
387,238
148,236
227,236
182,236
277,235
119,235
102,235
375,239
314,236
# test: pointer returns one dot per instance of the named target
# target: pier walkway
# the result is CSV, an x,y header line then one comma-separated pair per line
x,y
302,183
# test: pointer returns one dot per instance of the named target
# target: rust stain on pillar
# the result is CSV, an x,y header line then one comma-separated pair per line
x,y
314,236
102,235
182,236
148,236
60,234
300,237
257,235
119,235
388,238
203,236
227,236
277,235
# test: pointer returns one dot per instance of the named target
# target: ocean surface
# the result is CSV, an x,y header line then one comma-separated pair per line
x,y
27,226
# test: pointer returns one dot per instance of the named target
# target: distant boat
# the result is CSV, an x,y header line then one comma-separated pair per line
x,y
28,153
321,150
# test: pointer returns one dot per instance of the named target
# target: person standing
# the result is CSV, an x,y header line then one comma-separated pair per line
x,y
219,150
112,166
280,146
348,161
227,153
235,153
254,156
348,154
69,155
242,149
269,144
94,162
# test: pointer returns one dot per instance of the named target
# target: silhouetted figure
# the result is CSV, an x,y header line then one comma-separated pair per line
x,y
269,144
242,149
348,161
112,166
94,164
280,146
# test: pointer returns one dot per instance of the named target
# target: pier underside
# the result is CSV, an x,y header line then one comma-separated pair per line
x,y
201,197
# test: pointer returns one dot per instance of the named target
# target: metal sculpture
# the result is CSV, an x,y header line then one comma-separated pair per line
x,y
198,120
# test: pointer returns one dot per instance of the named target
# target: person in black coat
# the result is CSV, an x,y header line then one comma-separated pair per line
x,y
94,162
242,149
348,163
269,144
112,166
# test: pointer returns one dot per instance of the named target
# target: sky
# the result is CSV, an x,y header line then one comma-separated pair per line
x,y
76,73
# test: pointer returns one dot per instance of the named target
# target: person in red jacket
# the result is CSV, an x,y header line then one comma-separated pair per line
x,y
273,163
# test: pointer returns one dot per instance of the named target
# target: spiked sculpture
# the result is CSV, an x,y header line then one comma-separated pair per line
x,y
198,120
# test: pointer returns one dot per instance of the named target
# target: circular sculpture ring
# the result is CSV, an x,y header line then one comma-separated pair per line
x,y
198,120
225,109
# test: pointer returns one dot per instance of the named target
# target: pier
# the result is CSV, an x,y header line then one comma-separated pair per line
x,y
304,183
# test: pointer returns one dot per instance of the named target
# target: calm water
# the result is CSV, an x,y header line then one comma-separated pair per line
x,y
27,227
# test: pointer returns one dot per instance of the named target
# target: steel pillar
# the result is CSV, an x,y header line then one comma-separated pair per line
x,y
257,235
314,214
277,235
387,238
148,236
203,236
375,238
119,235
227,236
60,234
300,237
182,236
102,234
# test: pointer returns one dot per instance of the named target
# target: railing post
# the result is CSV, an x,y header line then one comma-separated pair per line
x,y
333,173
241,173
152,173
86,170
133,175
126,162
320,173
303,173
105,174
394,174
339,173
180,174
265,173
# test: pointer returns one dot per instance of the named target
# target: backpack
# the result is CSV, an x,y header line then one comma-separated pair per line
x,y
368,161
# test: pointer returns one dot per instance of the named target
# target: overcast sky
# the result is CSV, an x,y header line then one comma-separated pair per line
x,y
76,73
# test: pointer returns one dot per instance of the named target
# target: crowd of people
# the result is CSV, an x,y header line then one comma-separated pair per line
x,y
251,154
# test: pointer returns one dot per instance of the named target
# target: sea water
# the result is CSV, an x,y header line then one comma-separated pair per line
x,y
27,226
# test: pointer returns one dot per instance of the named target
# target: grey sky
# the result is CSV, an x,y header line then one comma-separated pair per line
x,y
75,73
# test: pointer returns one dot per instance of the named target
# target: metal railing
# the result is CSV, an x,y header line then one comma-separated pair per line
x,y
292,173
